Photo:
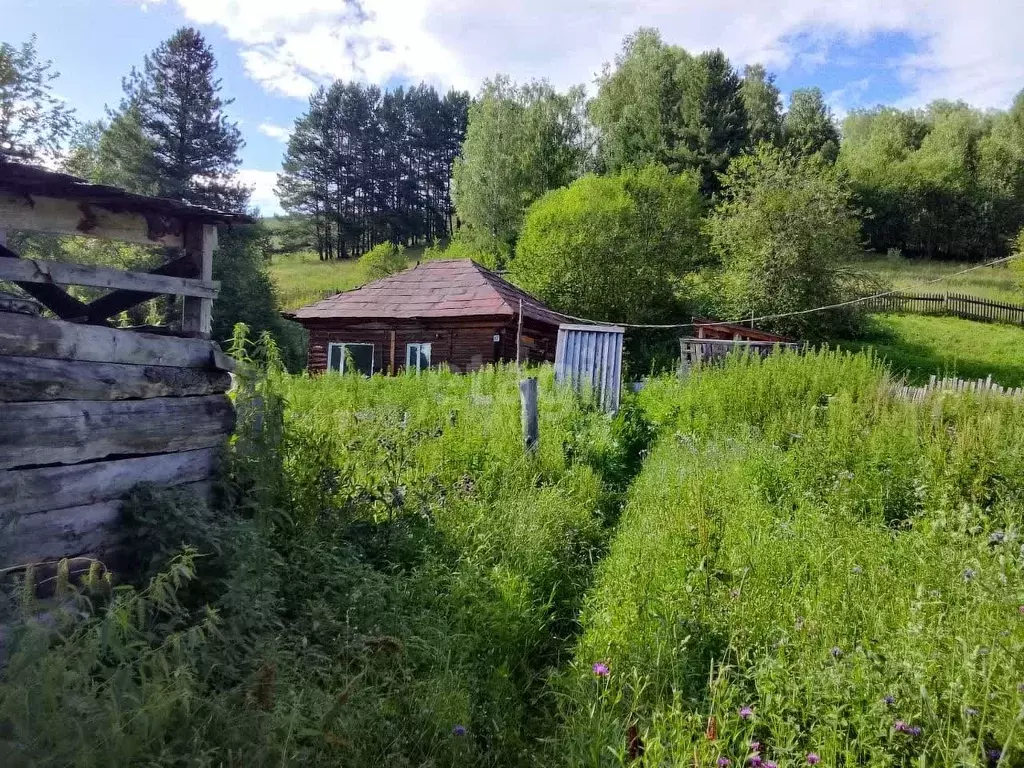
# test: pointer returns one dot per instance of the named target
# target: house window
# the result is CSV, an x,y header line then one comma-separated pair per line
x,y
345,358
417,357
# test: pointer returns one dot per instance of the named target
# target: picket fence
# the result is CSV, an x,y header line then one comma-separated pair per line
x,y
958,304
935,384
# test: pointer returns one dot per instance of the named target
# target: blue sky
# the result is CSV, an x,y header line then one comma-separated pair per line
x,y
273,52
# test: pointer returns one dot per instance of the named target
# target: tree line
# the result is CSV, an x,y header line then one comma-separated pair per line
x,y
368,166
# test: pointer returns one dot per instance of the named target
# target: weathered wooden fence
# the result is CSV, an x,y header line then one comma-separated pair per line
x,y
695,352
958,304
935,384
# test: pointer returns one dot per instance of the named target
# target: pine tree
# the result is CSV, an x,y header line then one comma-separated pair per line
x,y
194,145
808,127
713,126
33,122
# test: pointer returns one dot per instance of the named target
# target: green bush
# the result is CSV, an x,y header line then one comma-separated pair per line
x,y
612,247
786,235
382,260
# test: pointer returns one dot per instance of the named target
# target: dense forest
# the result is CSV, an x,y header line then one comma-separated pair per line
x,y
368,166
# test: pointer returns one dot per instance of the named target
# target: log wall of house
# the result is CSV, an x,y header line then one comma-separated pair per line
x,y
87,413
464,347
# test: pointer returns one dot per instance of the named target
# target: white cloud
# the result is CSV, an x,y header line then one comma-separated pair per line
x,y
965,50
275,131
850,96
261,185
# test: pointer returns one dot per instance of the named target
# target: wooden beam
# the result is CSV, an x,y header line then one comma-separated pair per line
x,y
28,379
24,271
54,297
74,431
197,313
119,301
27,336
66,217
24,491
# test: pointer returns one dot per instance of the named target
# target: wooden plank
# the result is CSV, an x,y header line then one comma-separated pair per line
x,y
53,297
74,431
26,336
65,217
197,313
119,301
24,491
26,379
60,273
57,533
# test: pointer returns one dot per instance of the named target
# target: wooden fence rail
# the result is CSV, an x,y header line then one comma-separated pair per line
x,y
958,304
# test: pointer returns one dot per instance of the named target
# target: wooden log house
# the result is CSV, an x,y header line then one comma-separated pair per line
x,y
89,410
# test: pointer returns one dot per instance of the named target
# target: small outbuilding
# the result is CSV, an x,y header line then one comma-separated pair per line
x,y
451,312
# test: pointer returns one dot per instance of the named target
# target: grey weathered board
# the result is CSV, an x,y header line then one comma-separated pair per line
x,y
25,491
589,358
25,379
60,273
73,431
52,534
26,336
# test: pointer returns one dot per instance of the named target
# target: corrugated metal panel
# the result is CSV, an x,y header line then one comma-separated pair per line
x,y
589,358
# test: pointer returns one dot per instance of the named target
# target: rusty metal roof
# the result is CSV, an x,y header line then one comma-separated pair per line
x,y
21,179
436,289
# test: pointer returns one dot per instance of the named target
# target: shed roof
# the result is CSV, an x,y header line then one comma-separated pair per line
x,y
433,290
22,179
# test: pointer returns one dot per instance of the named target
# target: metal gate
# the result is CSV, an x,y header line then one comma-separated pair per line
x,y
589,359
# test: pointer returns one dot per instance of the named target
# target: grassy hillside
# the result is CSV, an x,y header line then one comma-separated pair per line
x,y
920,345
302,278
993,283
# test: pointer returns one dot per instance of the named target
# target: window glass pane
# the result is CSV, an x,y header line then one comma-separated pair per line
x,y
361,358
412,352
424,356
334,357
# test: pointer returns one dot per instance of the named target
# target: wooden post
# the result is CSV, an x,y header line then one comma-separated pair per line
x,y
200,243
519,332
394,370
528,401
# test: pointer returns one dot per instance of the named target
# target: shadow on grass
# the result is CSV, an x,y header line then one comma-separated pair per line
x,y
947,354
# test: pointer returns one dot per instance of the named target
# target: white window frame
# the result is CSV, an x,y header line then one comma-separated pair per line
x,y
344,344
420,347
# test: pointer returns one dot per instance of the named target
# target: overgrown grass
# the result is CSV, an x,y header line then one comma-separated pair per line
x,y
917,346
301,278
392,581
808,565
399,586
994,283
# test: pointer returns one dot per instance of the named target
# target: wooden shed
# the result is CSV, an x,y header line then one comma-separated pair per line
x,y
452,312
89,410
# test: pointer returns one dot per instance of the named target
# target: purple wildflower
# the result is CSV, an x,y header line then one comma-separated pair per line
x,y
969,574
600,669
994,755
889,699
770,764
755,746
1020,610
724,762
900,726
914,730
812,758
996,537
746,713
734,594
755,761
459,730
836,652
